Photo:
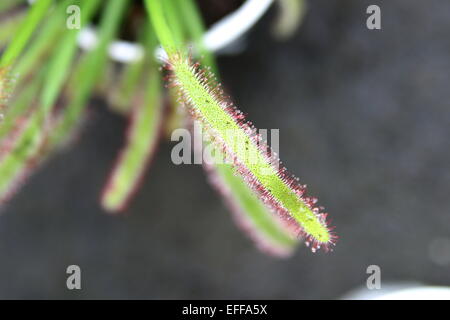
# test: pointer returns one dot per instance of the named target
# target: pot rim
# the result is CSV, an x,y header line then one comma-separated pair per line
x,y
220,35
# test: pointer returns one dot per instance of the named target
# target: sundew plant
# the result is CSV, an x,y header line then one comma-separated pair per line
x,y
46,81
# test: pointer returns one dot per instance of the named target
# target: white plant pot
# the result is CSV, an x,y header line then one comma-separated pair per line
x,y
219,37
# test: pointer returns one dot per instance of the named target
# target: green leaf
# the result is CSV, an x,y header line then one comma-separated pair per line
x,y
55,74
162,29
290,16
24,71
8,27
267,230
88,71
32,141
6,5
142,135
122,92
229,131
59,66
195,27
20,152
171,11
19,105
28,26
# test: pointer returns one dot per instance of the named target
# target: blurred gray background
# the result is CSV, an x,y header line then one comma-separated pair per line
x,y
364,120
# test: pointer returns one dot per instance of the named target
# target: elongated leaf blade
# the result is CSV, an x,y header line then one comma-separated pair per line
x,y
141,141
28,26
264,227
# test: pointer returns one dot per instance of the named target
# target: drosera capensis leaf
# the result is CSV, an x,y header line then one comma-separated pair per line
x,y
8,27
7,5
16,160
290,16
141,141
161,27
190,15
88,70
25,145
21,153
24,69
59,66
32,143
124,88
175,24
269,233
28,26
22,141
7,84
19,104
56,70
266,229
176,116
207,103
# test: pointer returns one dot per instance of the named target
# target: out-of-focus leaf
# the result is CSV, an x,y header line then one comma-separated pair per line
x,y
24,70
8,27
32,142
171,11
143,132
121,92
18,105
262,225
290,16
45,39
141,141
206,102
88,71
58,68
60,64
20,152
195,27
